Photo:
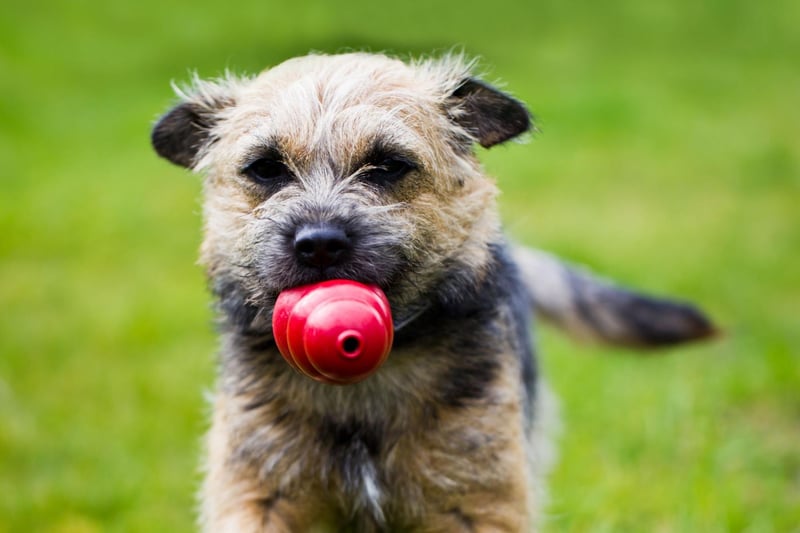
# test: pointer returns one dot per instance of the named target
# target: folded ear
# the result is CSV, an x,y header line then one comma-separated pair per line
x,y
488,114
185,130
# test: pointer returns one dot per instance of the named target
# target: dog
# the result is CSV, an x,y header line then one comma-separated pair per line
x,y
372,160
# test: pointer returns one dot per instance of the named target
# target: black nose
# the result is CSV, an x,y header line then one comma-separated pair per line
x,y
322,245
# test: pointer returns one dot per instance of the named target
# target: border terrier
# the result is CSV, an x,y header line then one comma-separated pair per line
x,y
373,159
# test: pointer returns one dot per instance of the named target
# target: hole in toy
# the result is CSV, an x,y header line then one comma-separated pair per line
x,y
351,345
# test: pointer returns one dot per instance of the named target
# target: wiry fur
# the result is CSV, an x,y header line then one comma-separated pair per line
x,y
438,438
597,310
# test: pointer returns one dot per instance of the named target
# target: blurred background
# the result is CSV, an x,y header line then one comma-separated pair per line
x,y
669,158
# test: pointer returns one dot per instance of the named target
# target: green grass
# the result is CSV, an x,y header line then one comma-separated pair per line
x,y
669,158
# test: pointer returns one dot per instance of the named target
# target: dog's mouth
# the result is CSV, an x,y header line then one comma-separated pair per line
x,y
306,276
402,314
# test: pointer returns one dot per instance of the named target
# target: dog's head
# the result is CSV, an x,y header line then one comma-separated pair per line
x,y
354,166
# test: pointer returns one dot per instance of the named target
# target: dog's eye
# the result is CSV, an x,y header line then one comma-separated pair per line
x,y
267,171
388,170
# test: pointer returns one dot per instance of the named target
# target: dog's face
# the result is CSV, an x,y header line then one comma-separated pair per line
x,y
353,166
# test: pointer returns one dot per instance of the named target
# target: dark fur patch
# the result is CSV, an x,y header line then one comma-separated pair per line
x,y
464,312
470,379
236,313
488,114
348,436
354,447
521,305
638,320
663,323
179,135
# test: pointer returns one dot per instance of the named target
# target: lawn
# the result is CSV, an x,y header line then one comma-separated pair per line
x,y
668,158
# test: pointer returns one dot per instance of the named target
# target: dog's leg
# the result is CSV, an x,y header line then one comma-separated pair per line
x,y
497,500
468,470
495,516
235,500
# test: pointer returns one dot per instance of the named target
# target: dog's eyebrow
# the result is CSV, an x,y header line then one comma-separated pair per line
x,y
268,147
380,150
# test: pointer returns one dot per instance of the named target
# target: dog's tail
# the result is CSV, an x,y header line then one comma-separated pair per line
x,y
597,310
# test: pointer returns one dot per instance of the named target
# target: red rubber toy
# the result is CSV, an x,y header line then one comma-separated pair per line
x,y
336,331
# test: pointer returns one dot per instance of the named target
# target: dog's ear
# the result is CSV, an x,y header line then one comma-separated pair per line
x,y
181,133
488,114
